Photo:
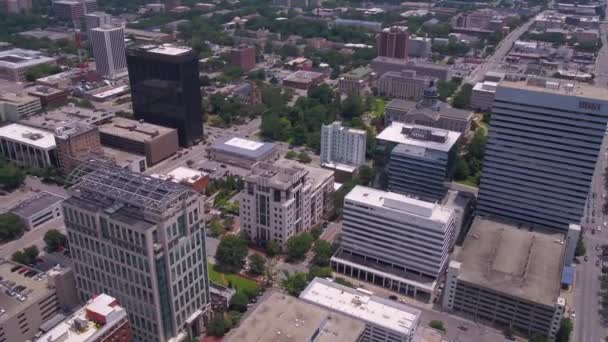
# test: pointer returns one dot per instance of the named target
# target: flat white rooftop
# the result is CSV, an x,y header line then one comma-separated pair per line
x,y
244,144
182,174
390,315
168,49
28,135
398,202
393,133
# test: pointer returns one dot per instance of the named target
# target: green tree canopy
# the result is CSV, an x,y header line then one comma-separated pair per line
x,y
436,324
298,246
11,177
295,283
217,325
231,253
257,264
565,329
272,248
54,240
323,252
239,302
11,226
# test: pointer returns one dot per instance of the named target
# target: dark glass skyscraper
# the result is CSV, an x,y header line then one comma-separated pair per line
x,y
165,88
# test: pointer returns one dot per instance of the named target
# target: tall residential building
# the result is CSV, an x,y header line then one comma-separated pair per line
x,y
140,240
75,142
420,159
102,319
342,145
243,56
392,42
284,199
405,85
165,88
71,10
96,19
395,241
543,144
109,50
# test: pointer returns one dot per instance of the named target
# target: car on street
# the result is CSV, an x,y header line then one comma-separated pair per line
x,y
586,258
393,297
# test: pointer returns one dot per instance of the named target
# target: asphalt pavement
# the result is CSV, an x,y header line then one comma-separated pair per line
x,y
601,62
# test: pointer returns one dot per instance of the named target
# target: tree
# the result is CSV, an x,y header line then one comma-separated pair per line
x,y
316,233
508,332
298,246
11,177
460,169
54,240
239,302
353,106
231,252
216,227
27,256
580,248
11,226
41,70
462,99
217,325
366,174
565,329
538,338
321,272
303,157
257,264
438,325
295,283
291,155
323,252
272,248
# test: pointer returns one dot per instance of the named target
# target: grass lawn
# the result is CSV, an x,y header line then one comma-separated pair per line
x,y
239,283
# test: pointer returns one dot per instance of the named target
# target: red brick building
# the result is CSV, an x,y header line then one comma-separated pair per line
x,y
243,56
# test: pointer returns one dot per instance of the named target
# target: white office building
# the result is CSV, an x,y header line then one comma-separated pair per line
x,y
342,145
395,241
28,146
109,50
385,320
482,96
141,240
284,199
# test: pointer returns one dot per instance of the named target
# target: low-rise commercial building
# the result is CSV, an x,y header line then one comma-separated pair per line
x,y
125,160
27,146
419,47
304,80
154,142
419,163
281,315
385,320
38,209
65,116
101,319
405,85
395,241
148,37
30,298
15,63
382,65
284,199
14,106
429,111
483,95
49,96
75,142
373,26
197,180
354,81
242,152
510,276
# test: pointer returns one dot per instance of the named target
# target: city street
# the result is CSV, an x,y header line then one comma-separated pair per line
x,y
587,325
500,52
601,62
